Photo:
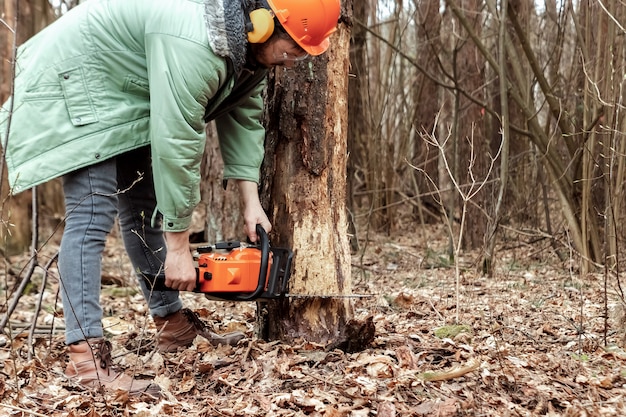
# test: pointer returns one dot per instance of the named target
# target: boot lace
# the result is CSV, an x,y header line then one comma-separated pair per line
x,y
102,350
193,318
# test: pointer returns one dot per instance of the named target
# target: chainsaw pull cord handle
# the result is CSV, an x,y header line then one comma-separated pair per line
x,y
264,245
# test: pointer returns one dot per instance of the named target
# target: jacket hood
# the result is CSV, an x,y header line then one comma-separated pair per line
x,y
226,30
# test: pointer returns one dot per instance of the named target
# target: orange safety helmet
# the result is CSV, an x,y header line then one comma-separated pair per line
x,y
308,22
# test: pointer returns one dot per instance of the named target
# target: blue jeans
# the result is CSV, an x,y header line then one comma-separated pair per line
x,y
93,197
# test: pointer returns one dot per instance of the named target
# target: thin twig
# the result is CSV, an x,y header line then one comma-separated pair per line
x,y
32,413
245,355
33,326
18,293
6,25
442,318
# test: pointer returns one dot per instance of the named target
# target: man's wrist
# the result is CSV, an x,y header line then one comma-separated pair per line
x,y
177,240
248,190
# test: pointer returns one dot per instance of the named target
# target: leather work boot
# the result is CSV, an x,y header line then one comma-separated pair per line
x,y
178,330
90,365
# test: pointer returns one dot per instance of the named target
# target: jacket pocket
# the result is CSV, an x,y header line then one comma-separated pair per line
x,y
136,86
77,98
43,91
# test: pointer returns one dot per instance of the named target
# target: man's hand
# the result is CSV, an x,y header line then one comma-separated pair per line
x,y
180,272
253,212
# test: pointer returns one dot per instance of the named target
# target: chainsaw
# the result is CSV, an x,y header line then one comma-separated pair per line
x,y
238,271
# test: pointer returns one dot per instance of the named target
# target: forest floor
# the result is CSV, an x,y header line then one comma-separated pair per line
x,y
530,341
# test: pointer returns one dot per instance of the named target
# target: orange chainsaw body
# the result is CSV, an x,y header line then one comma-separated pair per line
x,y
233,271
237,271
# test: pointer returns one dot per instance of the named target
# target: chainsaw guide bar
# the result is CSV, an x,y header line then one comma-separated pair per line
x,y
328,295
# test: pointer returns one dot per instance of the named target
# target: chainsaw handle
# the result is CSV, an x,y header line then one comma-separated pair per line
x,y
264,246
157,283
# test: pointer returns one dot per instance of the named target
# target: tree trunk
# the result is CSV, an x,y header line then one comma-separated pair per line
x,y
305,171
445,132
33,15
427,41
470,137
218,216
359,128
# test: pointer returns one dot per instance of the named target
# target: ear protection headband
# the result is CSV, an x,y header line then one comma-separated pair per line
x,y
259,23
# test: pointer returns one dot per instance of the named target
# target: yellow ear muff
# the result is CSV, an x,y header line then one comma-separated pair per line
x,y
263,25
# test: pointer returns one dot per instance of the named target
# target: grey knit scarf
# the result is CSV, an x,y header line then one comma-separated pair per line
x,y
226,29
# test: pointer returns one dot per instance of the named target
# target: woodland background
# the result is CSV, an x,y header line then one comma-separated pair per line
x,y
485,190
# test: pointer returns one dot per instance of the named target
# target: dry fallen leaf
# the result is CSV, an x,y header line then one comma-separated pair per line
x,y
386,409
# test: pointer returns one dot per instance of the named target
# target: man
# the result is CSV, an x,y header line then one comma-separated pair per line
x,y
113,98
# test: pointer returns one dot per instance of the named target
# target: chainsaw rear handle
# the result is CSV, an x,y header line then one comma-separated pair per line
x,y
157,283
264,245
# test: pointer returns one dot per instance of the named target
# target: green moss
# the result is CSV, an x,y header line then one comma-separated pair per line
x,y
428,376
449,332
583,357
114,291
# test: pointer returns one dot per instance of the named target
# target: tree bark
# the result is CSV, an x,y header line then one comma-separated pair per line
x,y
218,216
446,130
359,129
24,18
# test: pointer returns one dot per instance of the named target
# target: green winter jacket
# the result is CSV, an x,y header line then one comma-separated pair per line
x,y
115,75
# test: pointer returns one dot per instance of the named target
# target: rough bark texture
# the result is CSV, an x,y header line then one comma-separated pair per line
x,y
359,128
305,172
33,15
218,216
425,92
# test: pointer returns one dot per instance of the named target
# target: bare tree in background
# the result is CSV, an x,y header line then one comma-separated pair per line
x,y
359,126
547,80
21,20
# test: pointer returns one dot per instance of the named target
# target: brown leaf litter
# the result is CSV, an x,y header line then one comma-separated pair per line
x,y
529,342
